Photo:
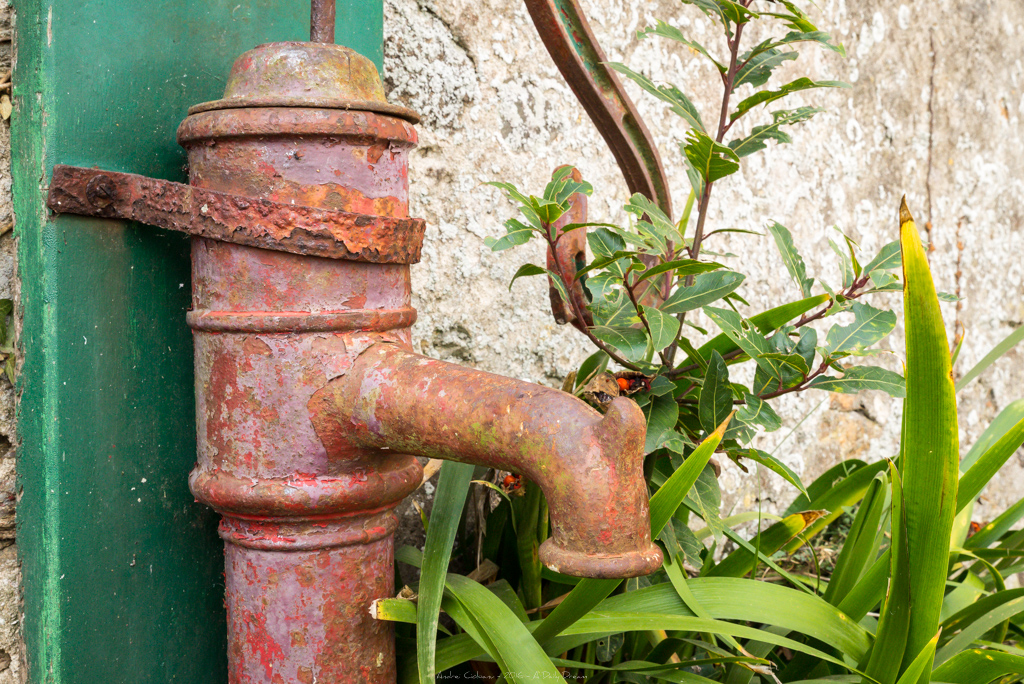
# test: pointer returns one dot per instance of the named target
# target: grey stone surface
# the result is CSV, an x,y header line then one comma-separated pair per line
x,y
11,648
934,112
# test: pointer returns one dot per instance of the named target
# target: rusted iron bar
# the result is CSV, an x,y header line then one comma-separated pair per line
x,y
589,466
231,218
567,35
321,21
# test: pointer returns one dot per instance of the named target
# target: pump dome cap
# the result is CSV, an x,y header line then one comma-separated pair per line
x,y
313,75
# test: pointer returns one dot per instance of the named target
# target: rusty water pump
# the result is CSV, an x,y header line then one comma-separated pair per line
x,y
311,406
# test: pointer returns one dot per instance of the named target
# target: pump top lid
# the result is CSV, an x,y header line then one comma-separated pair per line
x,y
316,75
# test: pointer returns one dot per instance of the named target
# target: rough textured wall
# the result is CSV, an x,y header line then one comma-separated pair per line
x,y
934,113
10,575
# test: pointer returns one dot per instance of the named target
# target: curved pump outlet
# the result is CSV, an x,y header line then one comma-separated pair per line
x,y
589,466
310,410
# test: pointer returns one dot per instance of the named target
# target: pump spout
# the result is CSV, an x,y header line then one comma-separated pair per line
x,y
589,466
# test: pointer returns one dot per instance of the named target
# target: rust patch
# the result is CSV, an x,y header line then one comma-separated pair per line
x,y
231,218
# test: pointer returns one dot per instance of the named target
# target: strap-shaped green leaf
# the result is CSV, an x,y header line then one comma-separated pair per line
x,y
977,666
452,488
860,548
930,445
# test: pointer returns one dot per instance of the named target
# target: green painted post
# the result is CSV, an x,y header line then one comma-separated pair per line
x,y
122,570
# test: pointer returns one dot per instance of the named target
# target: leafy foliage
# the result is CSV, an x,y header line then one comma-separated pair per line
x,y
909,597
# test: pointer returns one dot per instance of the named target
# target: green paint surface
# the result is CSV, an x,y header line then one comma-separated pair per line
x,y
122,570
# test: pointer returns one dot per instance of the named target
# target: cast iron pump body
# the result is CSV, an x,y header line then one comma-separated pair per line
x,y
311,406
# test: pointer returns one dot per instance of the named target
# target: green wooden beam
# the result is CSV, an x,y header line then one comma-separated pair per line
x,y
121,568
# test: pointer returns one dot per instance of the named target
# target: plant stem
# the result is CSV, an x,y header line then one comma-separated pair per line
x,y
583,327
642,315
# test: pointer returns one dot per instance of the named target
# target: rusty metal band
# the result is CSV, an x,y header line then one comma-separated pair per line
x,y
231,218
575,51
307,535
282,101
365,489
370,320
269,117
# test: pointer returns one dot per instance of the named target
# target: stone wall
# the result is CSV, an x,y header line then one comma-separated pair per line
x,y
934,112
10,576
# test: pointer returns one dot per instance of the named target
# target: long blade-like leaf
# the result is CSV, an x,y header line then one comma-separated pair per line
x,y
895,618
859,550
977,666
1006,345
929,464
921,664
513,644
452,488
733,598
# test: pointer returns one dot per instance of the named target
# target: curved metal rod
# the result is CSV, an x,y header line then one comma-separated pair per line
x,y
573,47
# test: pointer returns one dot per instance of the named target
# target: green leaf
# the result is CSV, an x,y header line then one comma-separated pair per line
x,y
452,488
890,258
707,288
741,561
630,341
1011,341
760,135
591,366
662,414
681,267
752,343
527,270
758,412
643,208
790,257
977,666
845,263
710,160
607,622
706,499
716,394
820,37
894,622
757,68
930,447
677,100
663,327
859,378
672,33
517,234
682,482
794,361
869,326
860,548
604,243
775,465
921,666
988,464
515,648
766,96
764,322
977,628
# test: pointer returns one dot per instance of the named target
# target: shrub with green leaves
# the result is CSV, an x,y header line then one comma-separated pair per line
x,y
914,592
